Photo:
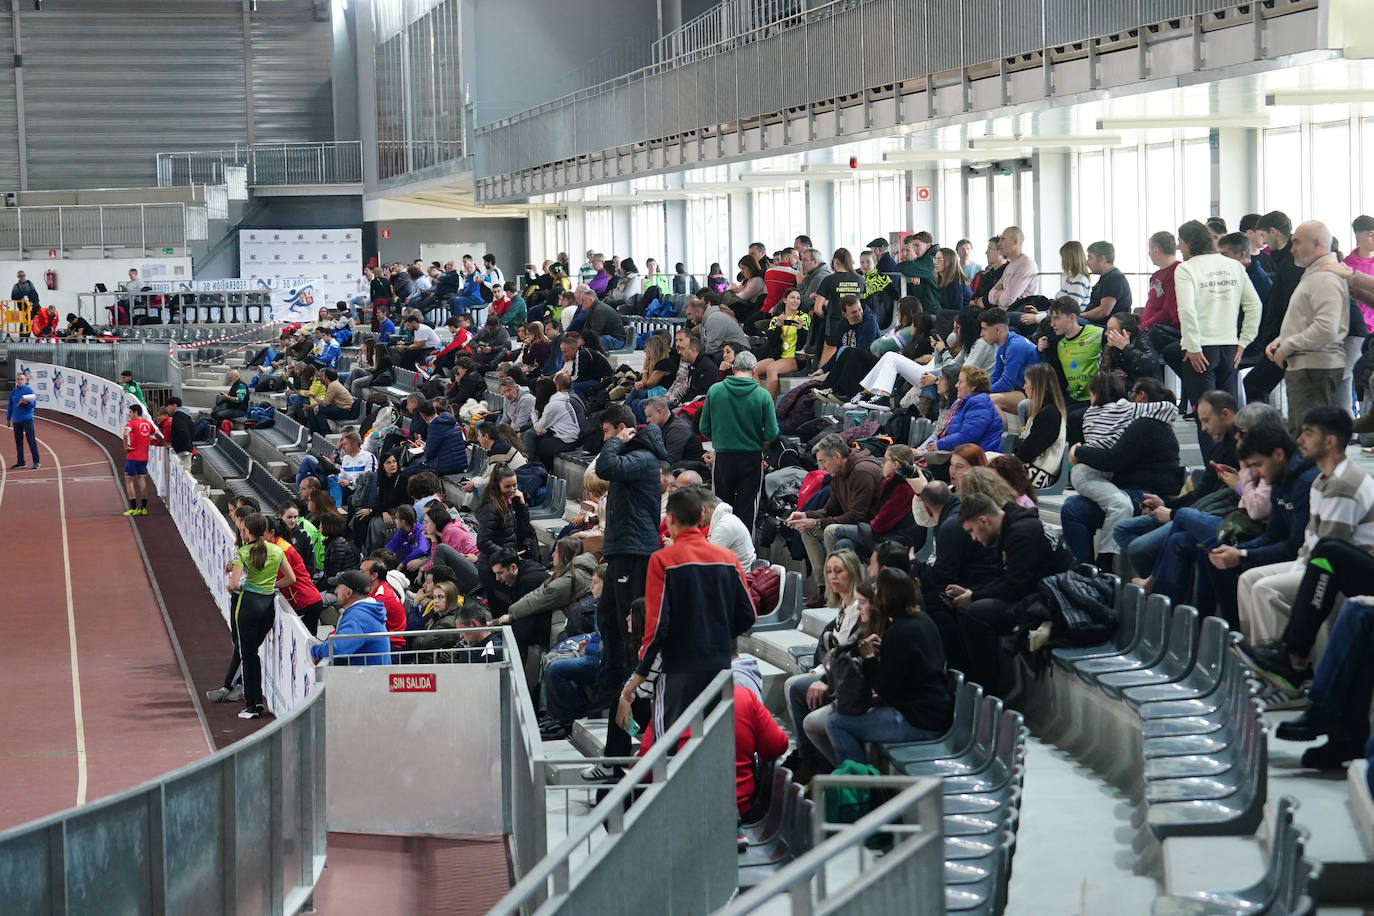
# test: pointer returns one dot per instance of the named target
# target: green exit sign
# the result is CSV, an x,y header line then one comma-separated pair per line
x,y
169,251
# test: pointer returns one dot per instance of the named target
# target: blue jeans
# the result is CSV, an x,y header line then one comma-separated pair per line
x,y
880,725
1081,518
609,343
564,680
1344,680
1179,556
1141,539
858,538
586,388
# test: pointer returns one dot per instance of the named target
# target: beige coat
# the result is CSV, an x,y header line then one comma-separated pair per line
x,y
1314,328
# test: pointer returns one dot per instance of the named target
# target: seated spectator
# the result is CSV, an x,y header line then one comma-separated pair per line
x,y
892,521
955,558
952,291
422,343
484,646
325,352
335,404
234,404
570,673
446,449
847,355
375,499
491,344
717,328
725,529
746,298
904,666
1015,354
1340,692
510,579
459,345
468,383
603,323
696,371
373,368
758,742
973,417
855,482
537,345
503,521
340,553
587,368
1075,354
362,618
503,447
1128,350
912,324
806,693
1111,294
1116,464
962,460
1041,443
1075,279
409,543
680,440
517,407
1010,469
1029,552
554,428
1274,455
787,333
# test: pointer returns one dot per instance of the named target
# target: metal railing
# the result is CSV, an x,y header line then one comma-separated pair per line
x,y
337,162
668,825
909,877
179,307
149,360
399,157
746,66
241,830
59,229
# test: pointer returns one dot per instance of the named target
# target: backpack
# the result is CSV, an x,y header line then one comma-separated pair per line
x,y
487,294
765,585
533,480
260,417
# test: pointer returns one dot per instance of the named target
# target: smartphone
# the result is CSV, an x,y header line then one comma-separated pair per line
x,y
632,727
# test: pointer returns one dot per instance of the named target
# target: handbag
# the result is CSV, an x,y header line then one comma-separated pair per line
x,y
848,684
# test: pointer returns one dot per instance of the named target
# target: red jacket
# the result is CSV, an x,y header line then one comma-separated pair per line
x,y
302,592
395,613
696,603
894,507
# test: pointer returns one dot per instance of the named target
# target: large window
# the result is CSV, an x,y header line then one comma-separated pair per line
x,y
778,215
599,230
648,233
708,234
1281,166
867,207
1332,199
555,236
950,187
978,227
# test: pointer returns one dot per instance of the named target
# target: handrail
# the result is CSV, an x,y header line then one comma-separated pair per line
x,y
196,852
795,879
615,809
333,162
101,226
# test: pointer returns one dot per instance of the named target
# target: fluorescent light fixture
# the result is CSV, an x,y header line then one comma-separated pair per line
x,y
839,171
1045,142
1259,119
931,155
1319,96
769,178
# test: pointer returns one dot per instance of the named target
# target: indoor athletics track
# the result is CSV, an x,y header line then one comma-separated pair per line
x,y
96,695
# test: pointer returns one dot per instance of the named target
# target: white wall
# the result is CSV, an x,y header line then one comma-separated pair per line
x,y
80,275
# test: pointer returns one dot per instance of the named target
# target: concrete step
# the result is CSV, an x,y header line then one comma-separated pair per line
x,y
772,647
774,682
1361,804
1115,896
816,619
1215,863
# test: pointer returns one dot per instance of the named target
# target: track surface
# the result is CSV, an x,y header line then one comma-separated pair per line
x,y
94,699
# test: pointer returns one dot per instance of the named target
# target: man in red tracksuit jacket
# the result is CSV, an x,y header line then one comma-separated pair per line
x,y
696,603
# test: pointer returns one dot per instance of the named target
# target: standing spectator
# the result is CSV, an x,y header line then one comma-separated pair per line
x,y
181,436
779,278
301,594
739,419
696,603
1111,294
1028,554
1236,247
629,463
1361,257
918,267
1277,230
1214,298
253,579
127,383
138,438
19,414
1311,341
234,405
843,282
855,481
1160,315
24,289
1020,277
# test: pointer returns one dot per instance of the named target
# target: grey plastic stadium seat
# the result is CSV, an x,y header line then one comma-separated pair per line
x,y
999,770
1212,764
1236,814
555,500
979,753
1237,690
1130,605
787,614
1200,680
987,895
952,743
1173,666
1205,704
1148,650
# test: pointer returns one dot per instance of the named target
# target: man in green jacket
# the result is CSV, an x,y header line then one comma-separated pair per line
x,y
739,419
126,381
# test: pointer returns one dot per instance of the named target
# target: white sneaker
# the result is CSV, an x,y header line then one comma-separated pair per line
x,y
598,773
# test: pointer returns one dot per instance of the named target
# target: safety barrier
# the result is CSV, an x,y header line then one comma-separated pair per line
x,y
669,822
149,361
910,877
242,830
123,226
338,162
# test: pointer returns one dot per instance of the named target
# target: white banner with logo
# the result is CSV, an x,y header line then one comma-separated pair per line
x,y
332,257
287,673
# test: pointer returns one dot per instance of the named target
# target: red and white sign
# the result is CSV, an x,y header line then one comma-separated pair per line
x,y
411,683
922,193
386,233
52,254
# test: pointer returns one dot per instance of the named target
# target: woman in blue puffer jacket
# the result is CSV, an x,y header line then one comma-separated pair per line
x,y
974,418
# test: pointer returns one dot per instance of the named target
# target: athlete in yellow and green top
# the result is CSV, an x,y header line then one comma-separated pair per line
x,y
259,567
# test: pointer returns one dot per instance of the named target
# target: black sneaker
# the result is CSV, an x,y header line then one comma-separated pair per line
x,y
18,467
1271,658
1333,755
1312,724
556,731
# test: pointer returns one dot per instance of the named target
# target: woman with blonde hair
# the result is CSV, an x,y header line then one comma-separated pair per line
x,y
988,482
1075,281
951,290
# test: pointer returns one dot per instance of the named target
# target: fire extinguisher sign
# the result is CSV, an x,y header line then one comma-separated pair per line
x,y
52,254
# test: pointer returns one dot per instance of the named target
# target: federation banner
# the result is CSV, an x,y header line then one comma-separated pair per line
x,y
287,672
333,258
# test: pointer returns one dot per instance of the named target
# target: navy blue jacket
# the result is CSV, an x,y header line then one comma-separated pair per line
x,y
633,501
446,451
1288,509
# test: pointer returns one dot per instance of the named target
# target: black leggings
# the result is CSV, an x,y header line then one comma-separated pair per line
x,y
250,621
1335,566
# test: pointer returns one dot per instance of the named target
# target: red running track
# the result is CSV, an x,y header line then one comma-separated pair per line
x,y
92,697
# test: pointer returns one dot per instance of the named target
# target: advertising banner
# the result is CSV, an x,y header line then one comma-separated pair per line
x,y
287,673
333,258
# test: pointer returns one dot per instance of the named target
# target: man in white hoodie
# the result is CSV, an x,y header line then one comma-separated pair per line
x,y
724,528
1213,293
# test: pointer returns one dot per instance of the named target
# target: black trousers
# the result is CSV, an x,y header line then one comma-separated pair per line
x,y
673,693
23,430
626,579
983,623
1262,380
736,478
1335,566
249,624
310,615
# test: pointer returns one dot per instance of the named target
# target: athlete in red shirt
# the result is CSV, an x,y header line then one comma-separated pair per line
x,y
139,433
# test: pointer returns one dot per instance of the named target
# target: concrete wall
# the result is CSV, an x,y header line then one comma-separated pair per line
x,y
80,275
506,238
